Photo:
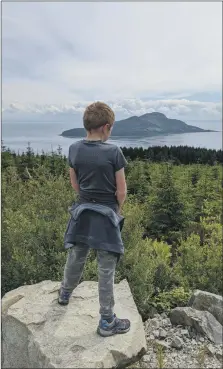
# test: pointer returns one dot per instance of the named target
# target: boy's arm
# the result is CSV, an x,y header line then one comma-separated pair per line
x,y
73,179
121,186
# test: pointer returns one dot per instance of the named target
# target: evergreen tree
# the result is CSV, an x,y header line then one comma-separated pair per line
x,y
166,211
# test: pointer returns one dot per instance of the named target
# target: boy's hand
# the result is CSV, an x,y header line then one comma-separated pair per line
x,y
73,179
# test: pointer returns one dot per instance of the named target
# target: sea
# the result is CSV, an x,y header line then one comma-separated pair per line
x,y
43,136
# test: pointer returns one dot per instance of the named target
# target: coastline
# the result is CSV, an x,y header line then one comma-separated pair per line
x,y
143,137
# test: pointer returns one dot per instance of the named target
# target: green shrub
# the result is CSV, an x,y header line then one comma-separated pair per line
x,y
167,300
140,266
199,263
34,219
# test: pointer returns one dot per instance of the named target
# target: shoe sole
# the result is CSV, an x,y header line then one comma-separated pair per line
x,y
103,333
61,302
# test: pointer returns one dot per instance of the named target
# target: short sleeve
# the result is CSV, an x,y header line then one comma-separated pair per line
x,y
120,161
72,155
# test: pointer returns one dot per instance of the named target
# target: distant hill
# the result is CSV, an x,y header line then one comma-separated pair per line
x,y
147,125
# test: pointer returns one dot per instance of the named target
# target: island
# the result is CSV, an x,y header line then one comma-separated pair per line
x,y
147,125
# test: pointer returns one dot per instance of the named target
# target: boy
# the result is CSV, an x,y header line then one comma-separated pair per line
x,y
97,175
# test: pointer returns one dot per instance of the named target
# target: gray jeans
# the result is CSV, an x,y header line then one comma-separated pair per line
x,y
73,270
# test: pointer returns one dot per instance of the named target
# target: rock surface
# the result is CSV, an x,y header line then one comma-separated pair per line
x,y
177,343
39,333
202,300
203,322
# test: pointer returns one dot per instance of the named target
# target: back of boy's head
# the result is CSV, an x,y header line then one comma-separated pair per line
x,y
97,115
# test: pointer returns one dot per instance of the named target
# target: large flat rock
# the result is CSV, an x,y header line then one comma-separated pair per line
x,y
39,333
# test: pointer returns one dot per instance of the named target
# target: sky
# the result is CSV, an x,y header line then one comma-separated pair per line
x,y
139,57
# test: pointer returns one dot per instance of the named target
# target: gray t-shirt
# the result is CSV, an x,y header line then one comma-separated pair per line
x,y
95,164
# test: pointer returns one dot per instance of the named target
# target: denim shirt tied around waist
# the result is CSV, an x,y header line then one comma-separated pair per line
x,y
95,231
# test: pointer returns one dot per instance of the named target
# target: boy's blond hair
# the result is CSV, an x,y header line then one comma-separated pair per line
x,y
97,115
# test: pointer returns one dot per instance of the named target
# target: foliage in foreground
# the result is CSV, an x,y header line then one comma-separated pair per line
x,y
172,231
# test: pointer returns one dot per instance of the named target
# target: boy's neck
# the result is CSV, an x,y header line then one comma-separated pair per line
x,y
93,137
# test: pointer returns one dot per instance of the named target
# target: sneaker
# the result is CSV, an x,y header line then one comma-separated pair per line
x,y
117,326
63,297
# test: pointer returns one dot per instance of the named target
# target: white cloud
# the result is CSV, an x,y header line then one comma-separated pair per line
x,y
178,108
58,53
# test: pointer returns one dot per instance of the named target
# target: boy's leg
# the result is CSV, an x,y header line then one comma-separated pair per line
x,y
109,323
106,274
73,270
